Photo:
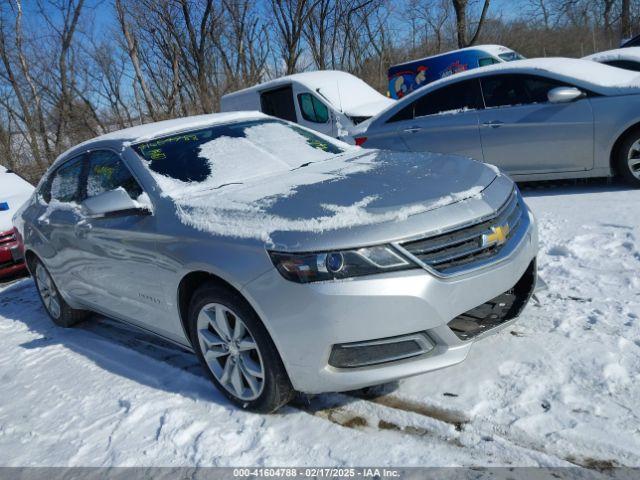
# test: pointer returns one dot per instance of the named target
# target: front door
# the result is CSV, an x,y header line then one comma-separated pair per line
x,y
314,113
523,133
119,253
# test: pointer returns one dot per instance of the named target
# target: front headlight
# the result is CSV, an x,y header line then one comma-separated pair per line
x,y
316,267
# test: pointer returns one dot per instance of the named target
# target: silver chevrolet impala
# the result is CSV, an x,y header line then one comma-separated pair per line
x,y
537,119
286,260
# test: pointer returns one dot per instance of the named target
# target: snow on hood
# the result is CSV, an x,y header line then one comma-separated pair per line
x,y
14,191
362,187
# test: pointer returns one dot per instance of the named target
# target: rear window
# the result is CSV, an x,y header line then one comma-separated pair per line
x,y
235,152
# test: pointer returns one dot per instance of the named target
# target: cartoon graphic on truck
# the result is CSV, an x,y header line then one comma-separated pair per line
x,y
407,77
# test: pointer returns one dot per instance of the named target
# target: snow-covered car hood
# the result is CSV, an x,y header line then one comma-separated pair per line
x,y
14,192
368,109
358,189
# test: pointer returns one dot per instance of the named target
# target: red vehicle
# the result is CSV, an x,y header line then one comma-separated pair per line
x,y
14,191
11,259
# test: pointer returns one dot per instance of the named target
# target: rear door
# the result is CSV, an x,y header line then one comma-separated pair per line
x,y
523,133
62,194
279,103
443,120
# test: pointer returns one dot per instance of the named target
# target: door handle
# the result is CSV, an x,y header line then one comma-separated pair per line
x,y
493,123
412,130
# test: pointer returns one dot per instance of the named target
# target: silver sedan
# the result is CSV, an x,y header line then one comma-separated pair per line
x,y
536,119
284,259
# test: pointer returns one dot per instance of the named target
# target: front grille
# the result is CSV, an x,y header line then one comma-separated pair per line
x,y
498,310
467,246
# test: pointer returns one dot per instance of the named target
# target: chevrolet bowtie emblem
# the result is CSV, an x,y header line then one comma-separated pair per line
x,y
497,237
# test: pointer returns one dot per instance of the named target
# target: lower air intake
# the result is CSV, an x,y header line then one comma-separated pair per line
x,y
496,311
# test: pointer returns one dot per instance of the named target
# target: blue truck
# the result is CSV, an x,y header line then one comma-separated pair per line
x,y
407,77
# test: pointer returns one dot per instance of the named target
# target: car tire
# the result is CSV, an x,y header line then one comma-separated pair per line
x,y
58,310
239,358
628,158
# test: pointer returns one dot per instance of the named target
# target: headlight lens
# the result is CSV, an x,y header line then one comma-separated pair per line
x,y
316,267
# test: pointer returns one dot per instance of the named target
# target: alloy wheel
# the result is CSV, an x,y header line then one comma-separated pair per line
x,y
633,159
48,291
230,351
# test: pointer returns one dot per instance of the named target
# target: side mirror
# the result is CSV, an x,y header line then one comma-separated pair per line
x,y
564,94
113,202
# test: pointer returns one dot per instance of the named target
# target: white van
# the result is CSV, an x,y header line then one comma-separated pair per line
x,y
328,101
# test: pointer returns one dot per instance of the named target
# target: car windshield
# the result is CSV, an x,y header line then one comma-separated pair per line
x,y
233,153
511,56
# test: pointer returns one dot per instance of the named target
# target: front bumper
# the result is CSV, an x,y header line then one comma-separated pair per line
x,y
11,258
307,320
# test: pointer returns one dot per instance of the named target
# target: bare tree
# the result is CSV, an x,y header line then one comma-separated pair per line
x,y
291,16
625,19
460,7
133,50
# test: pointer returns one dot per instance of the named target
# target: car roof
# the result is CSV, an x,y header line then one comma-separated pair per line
x,y
600,78
149,131
629,53
311,80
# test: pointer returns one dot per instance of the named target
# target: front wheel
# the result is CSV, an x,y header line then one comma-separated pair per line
x,y
628,159
59,311
237,351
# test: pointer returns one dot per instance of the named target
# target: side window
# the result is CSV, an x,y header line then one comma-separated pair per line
x,y
108,172
456,98
483,62
313,110
504,90
511,90
538,88
279,103
624,64
65,184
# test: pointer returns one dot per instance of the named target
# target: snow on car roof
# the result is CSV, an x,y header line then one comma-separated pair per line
x,y
148,131
630,53
345,91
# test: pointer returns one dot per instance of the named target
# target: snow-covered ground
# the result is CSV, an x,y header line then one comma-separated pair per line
x,y
560,387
